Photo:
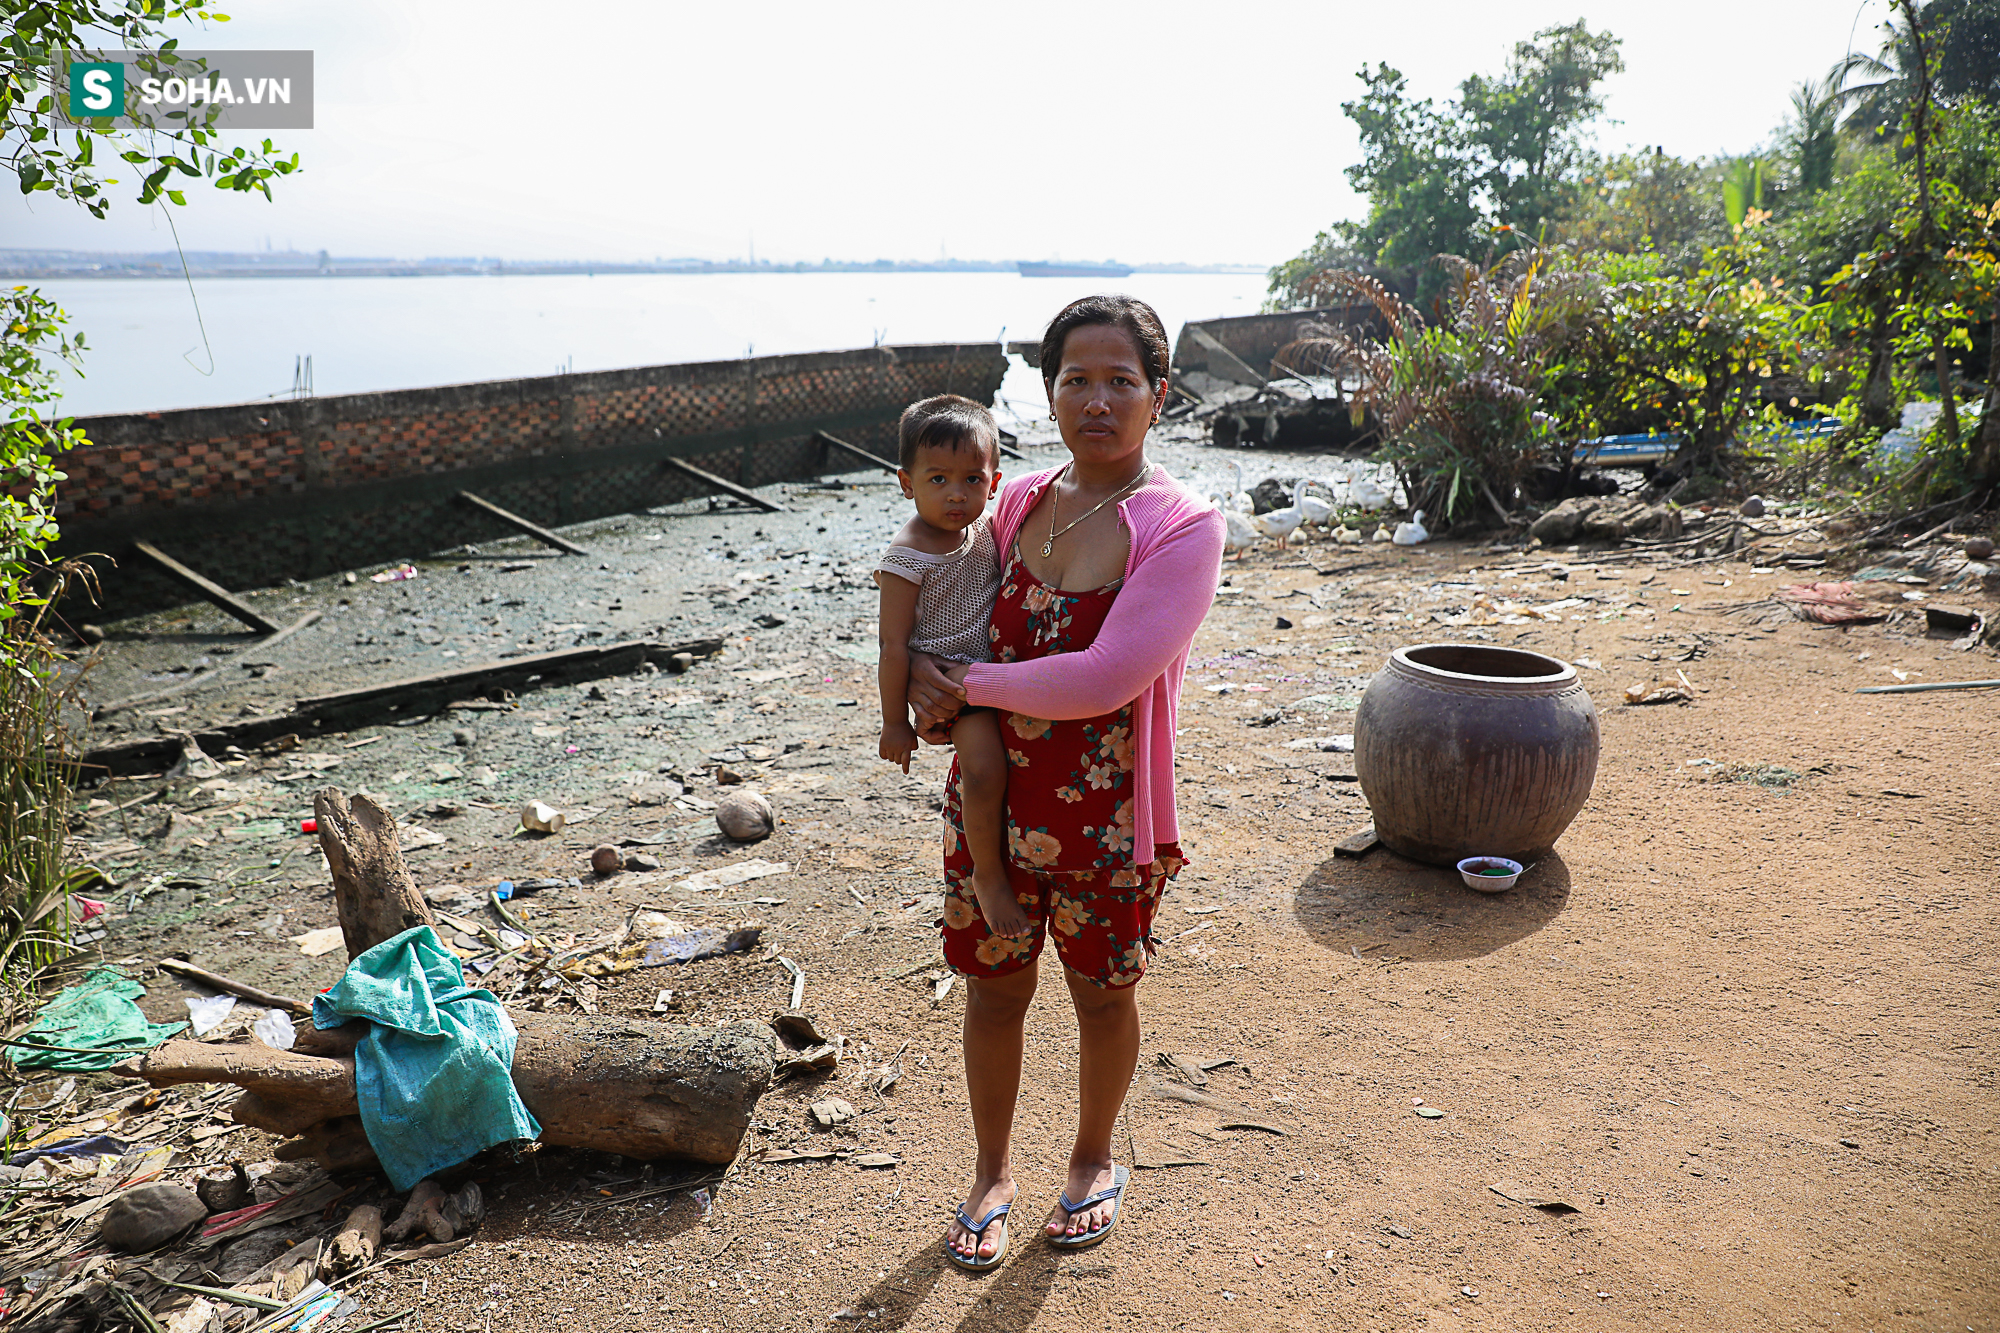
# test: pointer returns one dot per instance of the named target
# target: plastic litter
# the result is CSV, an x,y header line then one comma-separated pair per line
x,y
396,575
652,939
308,826
206,1015
90,1145
541,817
433,1075
275,1030
98,1016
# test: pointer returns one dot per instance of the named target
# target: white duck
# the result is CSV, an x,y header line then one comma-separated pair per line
x,y
1370,494
1411,533
1317,510
1240,500
1239,534
1282,523
1347,536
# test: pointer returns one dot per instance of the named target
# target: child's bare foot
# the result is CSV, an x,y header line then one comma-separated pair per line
x,y
997,903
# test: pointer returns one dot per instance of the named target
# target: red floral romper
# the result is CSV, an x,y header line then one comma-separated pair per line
x,y
1069,813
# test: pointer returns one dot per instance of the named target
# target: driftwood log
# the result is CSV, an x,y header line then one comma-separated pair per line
x,y
640,1089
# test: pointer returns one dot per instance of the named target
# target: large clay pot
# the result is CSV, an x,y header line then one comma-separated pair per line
x,y
1465,750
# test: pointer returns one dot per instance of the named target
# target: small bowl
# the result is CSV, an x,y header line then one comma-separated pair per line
x,y
1489,874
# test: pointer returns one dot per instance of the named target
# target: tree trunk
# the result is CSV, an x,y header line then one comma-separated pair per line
x,y
372,888
640,1089
1947,396
1986,450
1876,411
644,1090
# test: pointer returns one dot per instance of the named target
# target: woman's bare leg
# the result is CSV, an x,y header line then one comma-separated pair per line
x,y
996,1012
1107,1022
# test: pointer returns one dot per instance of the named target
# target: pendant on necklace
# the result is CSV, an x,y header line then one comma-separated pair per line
x,y
1048,546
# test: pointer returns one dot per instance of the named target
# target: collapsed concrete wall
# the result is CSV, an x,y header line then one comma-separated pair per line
x,y
256,493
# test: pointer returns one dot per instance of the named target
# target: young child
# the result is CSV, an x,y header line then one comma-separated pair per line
x,y
938,580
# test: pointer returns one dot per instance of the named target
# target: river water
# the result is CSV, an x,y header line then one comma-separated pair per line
x,y
147,349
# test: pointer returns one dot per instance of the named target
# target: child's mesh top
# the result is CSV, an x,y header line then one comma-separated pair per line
x,y
955,594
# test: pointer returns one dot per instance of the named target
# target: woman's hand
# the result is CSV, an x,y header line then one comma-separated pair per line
x,y
937,695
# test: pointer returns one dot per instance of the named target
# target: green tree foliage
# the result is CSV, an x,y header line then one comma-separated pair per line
x,y
1689,353
37,769
1656,202
41,157
1962,38
1812,140
1460,398
1492,167
33,46
1529,125
1418,171
31,329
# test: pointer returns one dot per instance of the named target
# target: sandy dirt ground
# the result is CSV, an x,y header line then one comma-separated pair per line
x,y
1744,1034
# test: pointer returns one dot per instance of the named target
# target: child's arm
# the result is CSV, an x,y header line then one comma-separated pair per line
x,y
895,619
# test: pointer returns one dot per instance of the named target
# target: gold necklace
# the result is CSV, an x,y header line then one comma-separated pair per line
x,y
1055,504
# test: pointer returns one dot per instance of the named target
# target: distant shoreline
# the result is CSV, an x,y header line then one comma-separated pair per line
x,y
16,265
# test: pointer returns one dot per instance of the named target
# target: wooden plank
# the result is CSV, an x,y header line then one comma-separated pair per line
x,y
725,486
305,621
566,661
1358,845
856,450
515,521
208,588
470,679
1007,446
331,713
215,981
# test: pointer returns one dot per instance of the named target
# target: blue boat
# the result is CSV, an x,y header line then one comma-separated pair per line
x,y
1634,450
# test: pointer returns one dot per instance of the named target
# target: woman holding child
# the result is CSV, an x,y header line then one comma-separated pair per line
x,y
1106,567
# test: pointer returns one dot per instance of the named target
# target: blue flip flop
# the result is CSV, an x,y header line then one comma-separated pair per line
x,y
975,1264
1115,1195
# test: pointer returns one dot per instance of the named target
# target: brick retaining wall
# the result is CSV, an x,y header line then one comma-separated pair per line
x,y
253,494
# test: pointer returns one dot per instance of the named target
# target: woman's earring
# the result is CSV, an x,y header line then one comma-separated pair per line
x,y
1052,416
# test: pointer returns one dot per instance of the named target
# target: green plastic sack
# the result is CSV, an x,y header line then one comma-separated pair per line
x,y
434,1075
97,1012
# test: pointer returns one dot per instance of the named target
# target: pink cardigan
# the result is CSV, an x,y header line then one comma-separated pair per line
x,y
1140,654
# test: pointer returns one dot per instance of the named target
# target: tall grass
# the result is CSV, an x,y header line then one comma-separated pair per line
x,y
40,746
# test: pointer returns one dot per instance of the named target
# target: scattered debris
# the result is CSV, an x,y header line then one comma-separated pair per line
x,y
541,817
1828,604
833,1111
150,1216
1185,1067
740,872
1935,685
1647,692
91,1025
1357,844
316,942
1519,1193
745,816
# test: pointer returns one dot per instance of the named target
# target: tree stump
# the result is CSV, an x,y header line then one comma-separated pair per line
x,y
639,1089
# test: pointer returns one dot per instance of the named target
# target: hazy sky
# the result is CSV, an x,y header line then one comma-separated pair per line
x,y
1036,129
